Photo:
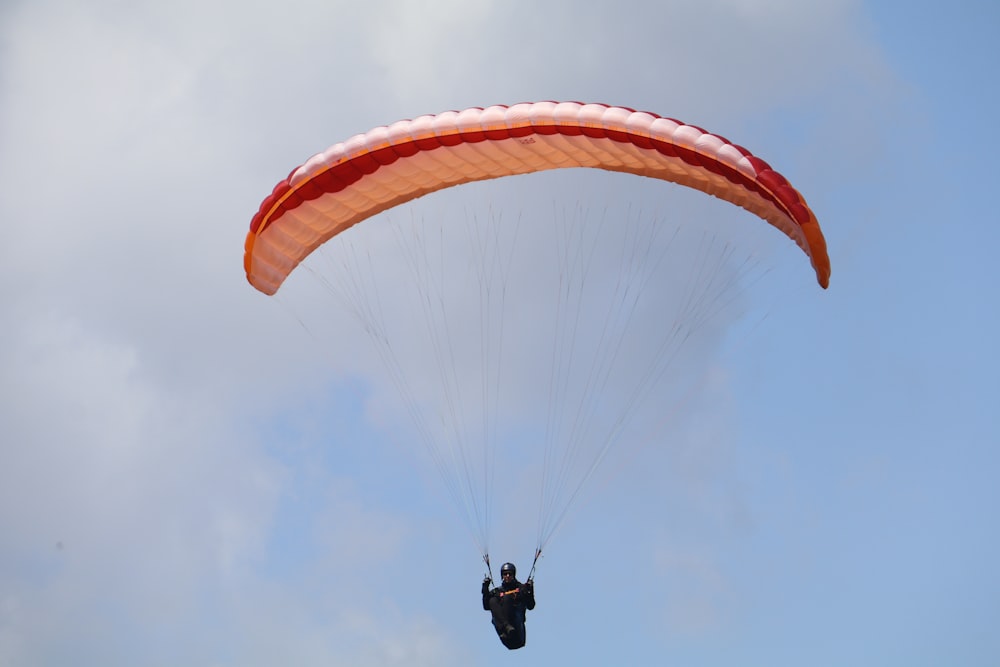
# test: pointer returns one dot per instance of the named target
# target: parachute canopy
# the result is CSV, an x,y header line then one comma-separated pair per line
x,y
387,166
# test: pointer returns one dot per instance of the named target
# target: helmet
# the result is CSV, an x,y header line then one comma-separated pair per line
x,y
508,567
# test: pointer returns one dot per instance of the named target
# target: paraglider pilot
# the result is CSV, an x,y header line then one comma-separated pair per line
x,y
508,604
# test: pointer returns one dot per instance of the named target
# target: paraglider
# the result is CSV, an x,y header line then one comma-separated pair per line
x,y
508,604
388,166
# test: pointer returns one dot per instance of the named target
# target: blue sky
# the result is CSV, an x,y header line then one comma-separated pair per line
x,y
193,473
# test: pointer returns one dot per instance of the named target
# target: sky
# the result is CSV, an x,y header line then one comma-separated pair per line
x,y
193,473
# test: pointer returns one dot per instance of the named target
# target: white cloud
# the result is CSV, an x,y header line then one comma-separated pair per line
x,y
160,423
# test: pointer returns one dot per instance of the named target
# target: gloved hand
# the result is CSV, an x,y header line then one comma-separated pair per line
x,y
486,585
